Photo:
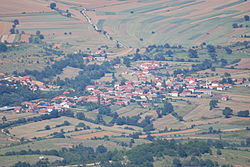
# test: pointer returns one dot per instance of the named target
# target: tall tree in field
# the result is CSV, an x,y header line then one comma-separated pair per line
x,y
52,5
4,119
227,112
213,104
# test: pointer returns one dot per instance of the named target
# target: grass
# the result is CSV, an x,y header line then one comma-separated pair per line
x,y
91,115
36,129
240,90
235,157
69,72
32,159
183,108
25,56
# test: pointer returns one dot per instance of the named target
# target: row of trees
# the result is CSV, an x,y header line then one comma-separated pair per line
x,y
3,47
228,112
139,156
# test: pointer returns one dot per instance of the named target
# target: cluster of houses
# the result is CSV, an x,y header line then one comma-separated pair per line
x,y
148,87
28,81
145,89
59,103
99,55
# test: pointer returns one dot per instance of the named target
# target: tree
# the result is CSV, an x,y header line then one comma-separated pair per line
x,y
228,50
211,129
16,22
247,18
4,119
213,104
192,53
38,32
47,127
21,164
219,152
244,113
3,47
101,149
66,123
150,137
248,141
68,14
177,163
227,112
81,124
211,49
104,110
52,5
80,115
12,31
168,108
235,25
41,36
148,127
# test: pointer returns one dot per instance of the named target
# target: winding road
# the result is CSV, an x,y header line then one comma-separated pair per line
x,y
83,12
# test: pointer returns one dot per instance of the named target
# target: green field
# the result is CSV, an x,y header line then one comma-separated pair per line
x,y
32,159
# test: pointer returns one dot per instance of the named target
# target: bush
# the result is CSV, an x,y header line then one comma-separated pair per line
x,y
243,113
227,112
52,5
3,47
47,127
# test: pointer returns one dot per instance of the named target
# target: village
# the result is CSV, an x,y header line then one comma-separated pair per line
x,y
145,89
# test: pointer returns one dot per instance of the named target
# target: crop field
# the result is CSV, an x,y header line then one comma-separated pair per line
x,y
97,134
244,63
130,22
168,121
37,129
56,27
189,22
11,116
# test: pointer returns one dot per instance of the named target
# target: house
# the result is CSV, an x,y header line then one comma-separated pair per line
x,y
225,98
228,85
175,94
204,91
240,81
18,109
192,89
185,93
90,87
100,58
215,84
220,87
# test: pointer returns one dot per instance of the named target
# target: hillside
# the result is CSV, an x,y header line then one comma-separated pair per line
x,y
133,23
124,83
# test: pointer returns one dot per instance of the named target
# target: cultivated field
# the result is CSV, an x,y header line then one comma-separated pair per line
x,y
186,22
37,129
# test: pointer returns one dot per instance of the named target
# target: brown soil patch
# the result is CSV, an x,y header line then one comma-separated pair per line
x,y
97,134
173,133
